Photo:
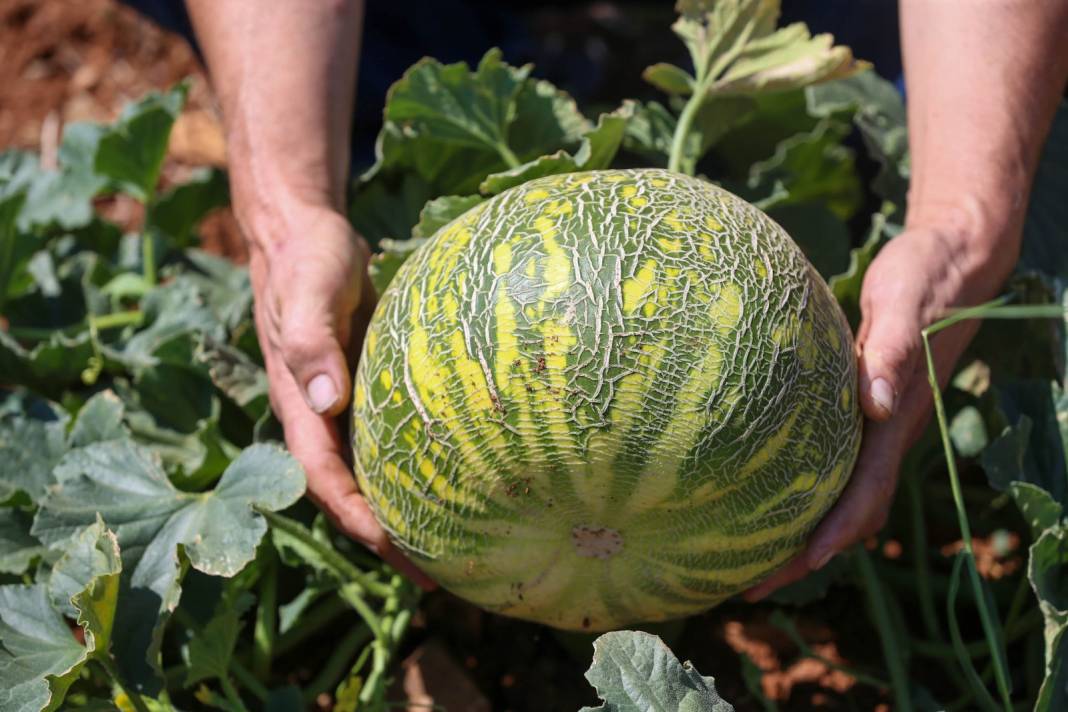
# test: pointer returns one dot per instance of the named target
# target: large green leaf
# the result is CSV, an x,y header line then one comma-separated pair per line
x,y
447,128
207,655
1046,570
439,212
846,286
1033,449
217,530
131,151
99,420
178,211
15,248
636,672
808,167
40,658
457,106
175,314
18,548
31,443
879,114
598,148
736,49
63,197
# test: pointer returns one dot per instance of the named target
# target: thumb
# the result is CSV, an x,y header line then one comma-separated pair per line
x,y
890,350
309,343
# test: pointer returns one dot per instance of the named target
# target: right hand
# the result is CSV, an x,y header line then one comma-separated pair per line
x,y
313,300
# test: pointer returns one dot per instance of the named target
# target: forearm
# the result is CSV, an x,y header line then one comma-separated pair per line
x,y
284,72
983,78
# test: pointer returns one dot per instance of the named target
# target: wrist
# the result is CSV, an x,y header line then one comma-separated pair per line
x,y
981,234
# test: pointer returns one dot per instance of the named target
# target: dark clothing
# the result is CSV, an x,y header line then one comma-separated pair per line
x,y
398,34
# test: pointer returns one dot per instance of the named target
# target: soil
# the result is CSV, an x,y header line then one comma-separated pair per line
x,y
63,61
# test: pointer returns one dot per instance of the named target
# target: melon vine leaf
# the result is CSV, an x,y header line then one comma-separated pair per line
x,y
18,549
879,114
207,654
235,373
636,672
217,531
597,150
669,79
1033,449
178,211
385,264
807,167
130,152
99,420
177,414
39,657
49,365
649,132
439,212
846,286
225,287
29,448
433,144
174,314
91,552
62,197
434,215
15,249
457,106
1046,568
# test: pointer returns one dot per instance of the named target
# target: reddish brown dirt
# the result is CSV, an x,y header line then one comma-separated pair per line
x,y
82,60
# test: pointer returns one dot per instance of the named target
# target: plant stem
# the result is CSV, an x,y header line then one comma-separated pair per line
x,y
334,667
148,246
985,616
506,153
133,317
113,674
247,680
345,569
231,693
310,624
683,128
887,636
266,630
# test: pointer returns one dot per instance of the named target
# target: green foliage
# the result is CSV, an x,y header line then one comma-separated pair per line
x,y
131,400
138,501
636,672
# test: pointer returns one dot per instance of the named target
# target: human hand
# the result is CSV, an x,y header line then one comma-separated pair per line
x,y
313,300
914,281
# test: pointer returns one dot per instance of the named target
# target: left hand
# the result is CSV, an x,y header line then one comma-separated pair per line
x,y
914,281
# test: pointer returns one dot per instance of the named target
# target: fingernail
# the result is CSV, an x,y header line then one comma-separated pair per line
x,y
321,393
883,394
822,560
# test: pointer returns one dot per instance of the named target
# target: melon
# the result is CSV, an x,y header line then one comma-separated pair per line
x,y
606,397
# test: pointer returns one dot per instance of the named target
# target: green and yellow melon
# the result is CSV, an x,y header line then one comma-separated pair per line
x,y
606,397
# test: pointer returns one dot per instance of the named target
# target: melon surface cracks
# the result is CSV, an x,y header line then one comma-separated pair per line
x,y
607,397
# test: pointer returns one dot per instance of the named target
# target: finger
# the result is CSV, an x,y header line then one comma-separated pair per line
x,y
796,569
864,505
314,441
309,343
889,352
